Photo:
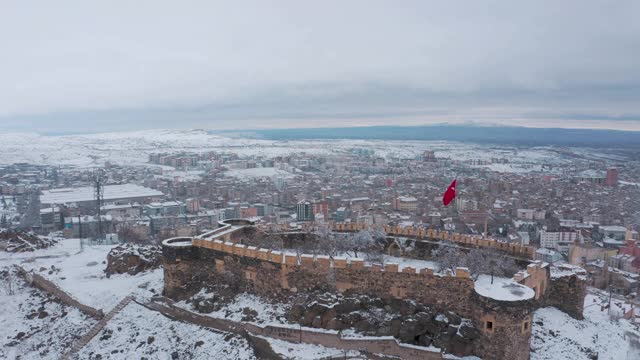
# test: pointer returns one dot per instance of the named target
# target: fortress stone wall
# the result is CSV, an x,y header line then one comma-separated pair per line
x,y
520,251
272,274
218,257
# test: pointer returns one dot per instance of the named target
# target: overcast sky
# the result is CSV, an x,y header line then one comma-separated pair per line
x,y
118,65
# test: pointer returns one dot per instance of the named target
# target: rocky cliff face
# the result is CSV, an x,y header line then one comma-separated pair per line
x,y
406,320
133,259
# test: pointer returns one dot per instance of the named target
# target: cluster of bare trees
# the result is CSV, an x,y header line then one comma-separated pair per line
x,y
127,234
7,282
478,261
368,244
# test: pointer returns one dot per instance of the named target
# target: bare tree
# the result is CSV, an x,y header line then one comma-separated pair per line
x,y
378,234
127,234
361,241
326,241
8,282
475,261
31,216
365,243
272,239
489,261
447,255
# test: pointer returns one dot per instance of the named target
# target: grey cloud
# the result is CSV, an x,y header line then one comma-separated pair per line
x,y
118,64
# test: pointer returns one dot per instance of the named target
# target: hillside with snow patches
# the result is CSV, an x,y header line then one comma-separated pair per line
x,y
133,148
37,326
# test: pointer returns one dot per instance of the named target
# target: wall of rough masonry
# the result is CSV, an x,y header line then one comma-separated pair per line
x,y
536,276
53,289
567,293
516,250
277,275
508,337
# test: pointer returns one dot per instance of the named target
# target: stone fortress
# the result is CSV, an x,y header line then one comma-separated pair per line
x,y
503,323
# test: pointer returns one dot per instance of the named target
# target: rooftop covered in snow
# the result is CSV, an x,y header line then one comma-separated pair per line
x,y
86,193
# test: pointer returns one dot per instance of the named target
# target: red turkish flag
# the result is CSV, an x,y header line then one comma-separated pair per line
x,y
450,194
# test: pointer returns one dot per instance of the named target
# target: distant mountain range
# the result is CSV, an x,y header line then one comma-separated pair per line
x,y
480,134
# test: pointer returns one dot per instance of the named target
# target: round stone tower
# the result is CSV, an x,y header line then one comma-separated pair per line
x,y
504,313
179,255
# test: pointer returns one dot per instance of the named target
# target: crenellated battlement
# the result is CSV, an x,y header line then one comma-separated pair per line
x,y
219,256
521,251
309,261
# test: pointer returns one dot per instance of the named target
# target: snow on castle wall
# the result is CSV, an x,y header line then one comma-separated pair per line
x,y
516,250
191,263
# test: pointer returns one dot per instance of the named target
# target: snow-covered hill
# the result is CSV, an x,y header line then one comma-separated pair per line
x,y
602,335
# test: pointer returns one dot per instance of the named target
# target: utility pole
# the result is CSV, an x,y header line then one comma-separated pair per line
x,y
610,291
98,193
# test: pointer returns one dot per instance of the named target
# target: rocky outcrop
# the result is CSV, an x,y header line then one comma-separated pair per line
x,y
406,320
19,241
133,259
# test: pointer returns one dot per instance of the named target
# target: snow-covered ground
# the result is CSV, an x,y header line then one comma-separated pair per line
x,y
502,289
404,262
306,351
133,148
267,313
601,336
80,272
137,333
33,325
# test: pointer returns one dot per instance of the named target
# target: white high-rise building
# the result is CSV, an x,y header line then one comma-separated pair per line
x,y
560,240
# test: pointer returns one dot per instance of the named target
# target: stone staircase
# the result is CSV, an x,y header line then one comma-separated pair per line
x,y
78,345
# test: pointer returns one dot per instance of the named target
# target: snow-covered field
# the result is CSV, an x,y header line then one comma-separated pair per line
x,y
130,147
267,313
137,333
556,335
306,351
33,325
133,148
81,274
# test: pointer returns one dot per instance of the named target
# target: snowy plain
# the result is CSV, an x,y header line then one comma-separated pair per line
x,y
134,147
